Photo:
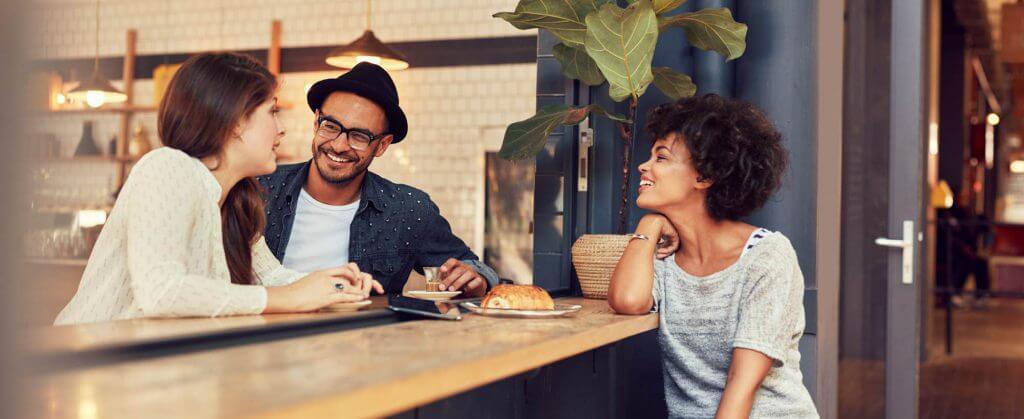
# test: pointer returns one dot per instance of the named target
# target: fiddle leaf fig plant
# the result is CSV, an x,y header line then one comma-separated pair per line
x,y
518,145
621,42
576,64
564,18
601,42
662,6
673,84
711,30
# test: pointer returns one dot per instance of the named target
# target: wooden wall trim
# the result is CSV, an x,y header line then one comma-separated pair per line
x,y
828,194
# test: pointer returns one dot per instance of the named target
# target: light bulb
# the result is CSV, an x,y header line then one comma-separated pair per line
x,y
1017,167
372,59
91,218
95,98
993,119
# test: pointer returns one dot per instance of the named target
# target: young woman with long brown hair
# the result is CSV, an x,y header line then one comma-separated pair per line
x,y
185,235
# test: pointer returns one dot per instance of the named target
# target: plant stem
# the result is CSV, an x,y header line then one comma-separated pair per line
x,y
627,132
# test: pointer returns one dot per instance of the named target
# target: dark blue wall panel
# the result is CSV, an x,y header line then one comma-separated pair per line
x,y
777,73
711,72
555,181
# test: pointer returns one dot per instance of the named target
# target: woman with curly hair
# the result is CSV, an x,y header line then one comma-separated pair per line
x,y
731,298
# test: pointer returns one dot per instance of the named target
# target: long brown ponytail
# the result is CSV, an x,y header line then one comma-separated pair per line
x,y
207,98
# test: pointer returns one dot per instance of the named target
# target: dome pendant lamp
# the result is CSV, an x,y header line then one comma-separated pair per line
x,y
367,48
96,90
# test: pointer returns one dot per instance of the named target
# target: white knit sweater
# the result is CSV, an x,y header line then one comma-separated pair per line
x,y
161,254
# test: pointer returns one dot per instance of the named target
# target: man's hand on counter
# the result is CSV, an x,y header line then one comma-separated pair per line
x,y
462,277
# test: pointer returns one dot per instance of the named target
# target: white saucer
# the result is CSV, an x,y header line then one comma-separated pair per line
x,y
560,310
434,295
355,306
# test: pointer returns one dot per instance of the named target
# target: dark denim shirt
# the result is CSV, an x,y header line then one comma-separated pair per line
x,y
396,229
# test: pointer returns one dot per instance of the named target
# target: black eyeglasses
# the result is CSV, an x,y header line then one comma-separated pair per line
x,y
358,138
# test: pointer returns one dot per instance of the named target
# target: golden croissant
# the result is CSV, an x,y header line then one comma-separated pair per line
x,y
518,297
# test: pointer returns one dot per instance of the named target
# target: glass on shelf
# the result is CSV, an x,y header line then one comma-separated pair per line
x,y
72,186
55,243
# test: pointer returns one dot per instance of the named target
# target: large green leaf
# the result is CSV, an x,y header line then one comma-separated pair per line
x,y
662,6
621,42
711,30
597,109
564,18
674,84
526,138
576,64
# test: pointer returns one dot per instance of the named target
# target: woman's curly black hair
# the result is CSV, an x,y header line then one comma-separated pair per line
x,y
732,144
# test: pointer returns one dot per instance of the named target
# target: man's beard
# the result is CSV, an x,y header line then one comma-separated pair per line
x,y
358,168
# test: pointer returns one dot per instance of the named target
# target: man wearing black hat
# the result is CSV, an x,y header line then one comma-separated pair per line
x,y
332,209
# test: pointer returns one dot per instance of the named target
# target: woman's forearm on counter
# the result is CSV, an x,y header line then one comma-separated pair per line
x,y
633,278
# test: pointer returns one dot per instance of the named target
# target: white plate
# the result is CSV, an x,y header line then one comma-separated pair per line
x,y
559,311
434,295
355,306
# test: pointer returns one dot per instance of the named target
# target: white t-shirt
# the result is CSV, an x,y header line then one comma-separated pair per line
x,y
320,235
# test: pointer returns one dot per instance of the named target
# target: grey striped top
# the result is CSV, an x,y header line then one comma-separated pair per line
x,y
756,303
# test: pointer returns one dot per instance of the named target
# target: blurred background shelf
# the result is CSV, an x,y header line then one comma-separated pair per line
x,y
59,209
57,261
105,109
89,159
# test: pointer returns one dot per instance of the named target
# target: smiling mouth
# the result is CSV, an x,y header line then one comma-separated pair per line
x,y
336,158
646,184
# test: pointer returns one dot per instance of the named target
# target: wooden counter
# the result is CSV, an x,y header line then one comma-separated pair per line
x,y
369,372
76,339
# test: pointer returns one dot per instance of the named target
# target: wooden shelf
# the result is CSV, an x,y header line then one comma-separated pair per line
x,y
89,159
57,261
70,209
105,109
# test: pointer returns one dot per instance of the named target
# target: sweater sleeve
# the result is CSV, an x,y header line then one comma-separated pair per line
x,y
268,269
163,208
771,312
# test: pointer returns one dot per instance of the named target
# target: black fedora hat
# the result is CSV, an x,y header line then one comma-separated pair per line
x,y
369,81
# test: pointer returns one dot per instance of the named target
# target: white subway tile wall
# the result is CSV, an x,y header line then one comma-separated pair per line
x,y
67,27
456,114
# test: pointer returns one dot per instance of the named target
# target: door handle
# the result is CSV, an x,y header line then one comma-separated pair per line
x,y
583,160
907,244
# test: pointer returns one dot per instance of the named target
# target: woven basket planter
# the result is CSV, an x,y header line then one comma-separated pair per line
x,y
594,256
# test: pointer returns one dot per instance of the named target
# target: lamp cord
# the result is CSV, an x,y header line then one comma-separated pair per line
x,y
96,61
369,14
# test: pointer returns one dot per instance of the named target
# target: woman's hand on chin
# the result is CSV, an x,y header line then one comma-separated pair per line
x,y
322,288
667,237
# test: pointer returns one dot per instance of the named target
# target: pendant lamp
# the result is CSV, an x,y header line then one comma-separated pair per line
x,y
367,48
96,90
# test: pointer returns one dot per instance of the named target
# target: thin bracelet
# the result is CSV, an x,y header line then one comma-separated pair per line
x,y
638,236
661,242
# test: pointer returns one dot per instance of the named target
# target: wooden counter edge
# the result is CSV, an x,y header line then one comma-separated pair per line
x,y
416,390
